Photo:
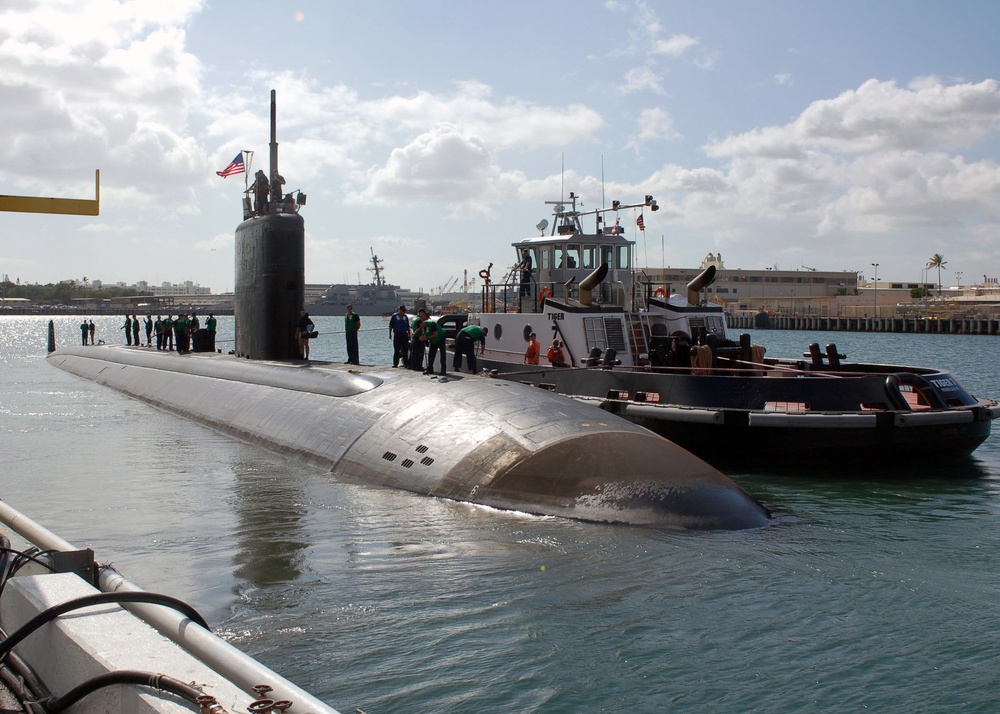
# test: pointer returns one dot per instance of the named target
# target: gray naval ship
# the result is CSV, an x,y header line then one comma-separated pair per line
x,y
375,299
467,438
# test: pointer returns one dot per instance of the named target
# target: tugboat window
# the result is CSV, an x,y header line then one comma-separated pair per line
x,y
606,256
546,259
590,256
623,261
558,258
572,256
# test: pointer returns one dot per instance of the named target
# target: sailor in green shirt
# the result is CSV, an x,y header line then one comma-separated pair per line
x,y
416,346
433,334
168,333
128,330
180,332
211,322
352,323
465,344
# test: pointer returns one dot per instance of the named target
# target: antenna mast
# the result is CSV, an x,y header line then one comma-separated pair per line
x,y
274,148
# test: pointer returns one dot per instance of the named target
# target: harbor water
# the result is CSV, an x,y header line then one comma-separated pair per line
x,y
872,589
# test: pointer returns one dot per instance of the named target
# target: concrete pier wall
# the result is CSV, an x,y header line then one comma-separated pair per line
x,y
897,323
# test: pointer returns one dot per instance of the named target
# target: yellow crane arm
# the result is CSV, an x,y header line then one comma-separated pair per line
x,y
67,206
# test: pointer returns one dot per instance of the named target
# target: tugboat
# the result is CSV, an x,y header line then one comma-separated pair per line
x,y
666,361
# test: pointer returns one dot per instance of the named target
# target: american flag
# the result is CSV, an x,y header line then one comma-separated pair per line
x,y
235,167
638,222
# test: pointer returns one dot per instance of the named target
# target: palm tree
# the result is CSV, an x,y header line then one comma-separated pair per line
x,y
937,261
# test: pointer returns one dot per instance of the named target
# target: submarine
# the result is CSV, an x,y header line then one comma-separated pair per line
x,y
462,437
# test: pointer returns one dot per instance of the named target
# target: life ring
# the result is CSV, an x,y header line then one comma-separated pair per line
x,y
659,292
544,293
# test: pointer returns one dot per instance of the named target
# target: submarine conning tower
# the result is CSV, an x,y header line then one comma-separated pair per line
x,y
270,269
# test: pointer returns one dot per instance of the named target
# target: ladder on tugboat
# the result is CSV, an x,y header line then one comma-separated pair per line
x,y
639,331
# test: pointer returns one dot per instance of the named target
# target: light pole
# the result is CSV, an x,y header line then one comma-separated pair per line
x,y
875,265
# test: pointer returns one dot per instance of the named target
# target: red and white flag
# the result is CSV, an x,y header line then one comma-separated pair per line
x,y
638,222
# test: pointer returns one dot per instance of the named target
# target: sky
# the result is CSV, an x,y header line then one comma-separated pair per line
x,y
827,135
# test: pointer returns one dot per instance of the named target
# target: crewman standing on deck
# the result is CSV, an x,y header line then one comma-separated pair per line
x,y
416,345
352,323
180,332
260,191
168,333
399,333
534,349
433,335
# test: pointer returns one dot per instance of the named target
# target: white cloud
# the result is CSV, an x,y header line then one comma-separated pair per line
x,y
675,45
507,122
879,116
107,84
641,79
444,166
653,124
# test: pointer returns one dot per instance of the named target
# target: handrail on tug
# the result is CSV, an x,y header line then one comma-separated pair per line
x,y
919,384
236,666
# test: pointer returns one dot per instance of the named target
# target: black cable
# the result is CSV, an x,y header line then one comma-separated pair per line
x,y
20,559
4,553
146,679
16,667
98,599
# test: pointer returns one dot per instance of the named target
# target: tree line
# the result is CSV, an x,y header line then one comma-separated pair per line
x,y
61,293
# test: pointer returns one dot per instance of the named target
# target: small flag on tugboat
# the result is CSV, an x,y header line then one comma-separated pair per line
x,y
638,222
235,167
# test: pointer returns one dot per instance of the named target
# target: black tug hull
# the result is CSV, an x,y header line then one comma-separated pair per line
x,y
820,420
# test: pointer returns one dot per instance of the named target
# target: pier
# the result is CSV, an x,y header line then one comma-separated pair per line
x,y
895,323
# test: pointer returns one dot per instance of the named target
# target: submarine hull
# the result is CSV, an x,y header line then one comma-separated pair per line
x,y
466,438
